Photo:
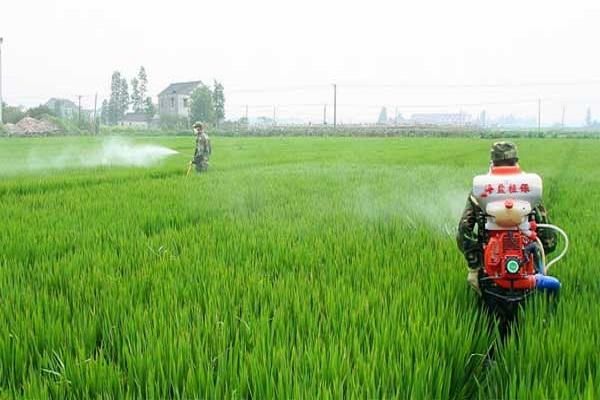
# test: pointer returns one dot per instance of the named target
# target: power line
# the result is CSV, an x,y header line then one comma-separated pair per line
x,y
79,110
271,105
479,104
475,85
334,106
417,85
539,115
487,103
277,89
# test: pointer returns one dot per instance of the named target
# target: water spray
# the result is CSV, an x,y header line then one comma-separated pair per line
x,y
109,153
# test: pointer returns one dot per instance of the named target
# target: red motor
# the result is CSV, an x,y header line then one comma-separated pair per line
x,y
507,261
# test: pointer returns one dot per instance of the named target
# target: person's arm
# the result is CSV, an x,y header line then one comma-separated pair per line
x,y
548,237
196,149
466,237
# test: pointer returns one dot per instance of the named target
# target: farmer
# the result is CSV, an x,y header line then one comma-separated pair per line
x,y
471,238
203,148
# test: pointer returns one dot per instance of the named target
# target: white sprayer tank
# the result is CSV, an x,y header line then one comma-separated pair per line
x,y
507,195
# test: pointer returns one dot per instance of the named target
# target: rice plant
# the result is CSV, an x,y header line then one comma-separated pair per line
x,y
295,268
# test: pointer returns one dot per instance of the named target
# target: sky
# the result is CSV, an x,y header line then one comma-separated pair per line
x,y
283,57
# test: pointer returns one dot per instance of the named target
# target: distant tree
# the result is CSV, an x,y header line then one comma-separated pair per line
x,y
149,108
11,115
202,107
39,112
114,102
124,99
588,118
143,83
136,99
219,101
265,121
104,110
57,109
383,119
482,118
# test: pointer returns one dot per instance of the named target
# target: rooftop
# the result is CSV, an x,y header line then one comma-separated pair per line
x,y
181,88
62,103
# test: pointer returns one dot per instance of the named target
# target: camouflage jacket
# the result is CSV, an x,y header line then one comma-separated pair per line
x,y
471,234
203,147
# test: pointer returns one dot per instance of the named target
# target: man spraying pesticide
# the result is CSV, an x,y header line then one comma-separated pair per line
x,y
203,150
505,236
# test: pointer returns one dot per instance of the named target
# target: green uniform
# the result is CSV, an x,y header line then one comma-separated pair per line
x,y
203,151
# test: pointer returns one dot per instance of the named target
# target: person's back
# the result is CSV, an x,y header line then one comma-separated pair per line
x,y
203,145
498,234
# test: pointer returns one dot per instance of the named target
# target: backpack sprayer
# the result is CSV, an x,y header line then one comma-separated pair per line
x,y
514,257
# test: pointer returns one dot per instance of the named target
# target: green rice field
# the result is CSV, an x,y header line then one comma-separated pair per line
x,y
296,268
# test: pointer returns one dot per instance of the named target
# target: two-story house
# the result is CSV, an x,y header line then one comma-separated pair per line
x,y
175,99
62,107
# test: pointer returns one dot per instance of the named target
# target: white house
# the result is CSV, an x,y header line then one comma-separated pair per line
x,y
175,99
135,120
62,107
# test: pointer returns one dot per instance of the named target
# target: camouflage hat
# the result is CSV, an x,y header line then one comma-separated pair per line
x,y
197,124
503,151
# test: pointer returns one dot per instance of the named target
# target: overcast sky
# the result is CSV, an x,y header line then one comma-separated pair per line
x,y
61,48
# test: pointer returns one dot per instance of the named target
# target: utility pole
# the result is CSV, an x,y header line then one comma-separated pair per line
x,y
539,115
396,117
79,111
334,106
95,105
274,116
189,117
247,120
1,120
325,114
563,118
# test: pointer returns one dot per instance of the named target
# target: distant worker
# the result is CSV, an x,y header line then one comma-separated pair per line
x,y
505,236
203,148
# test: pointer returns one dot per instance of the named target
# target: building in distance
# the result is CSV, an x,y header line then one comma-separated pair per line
x,y
175,99
63,108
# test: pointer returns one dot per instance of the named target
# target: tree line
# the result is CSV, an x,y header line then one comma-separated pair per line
x,y
12,115
208,105
121,101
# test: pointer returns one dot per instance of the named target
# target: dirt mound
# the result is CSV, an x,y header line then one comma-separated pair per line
x,y
31,127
